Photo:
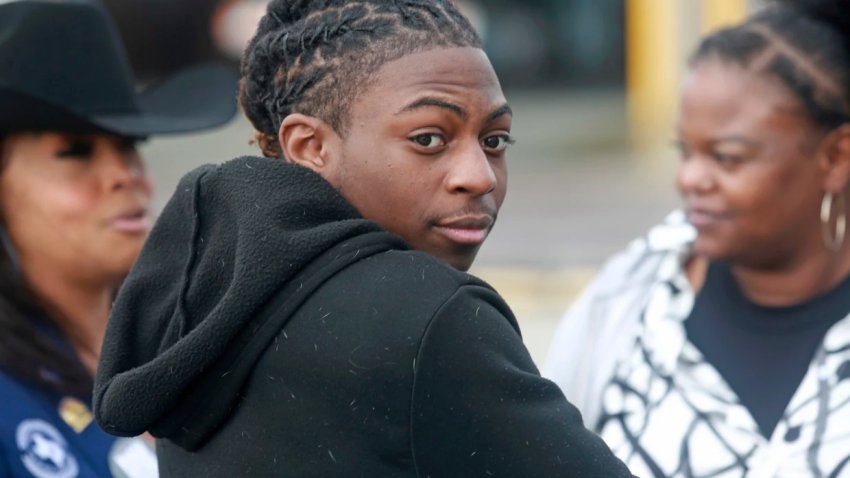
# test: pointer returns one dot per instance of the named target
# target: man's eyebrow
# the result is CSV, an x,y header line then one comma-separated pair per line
x,y
501,111
436,102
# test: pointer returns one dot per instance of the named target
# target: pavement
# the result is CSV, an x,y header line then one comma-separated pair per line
x,y
577,193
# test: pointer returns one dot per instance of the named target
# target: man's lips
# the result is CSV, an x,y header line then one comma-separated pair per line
x,y
132,222
467,230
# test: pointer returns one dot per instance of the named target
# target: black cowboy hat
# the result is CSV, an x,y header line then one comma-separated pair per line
x,y
63,68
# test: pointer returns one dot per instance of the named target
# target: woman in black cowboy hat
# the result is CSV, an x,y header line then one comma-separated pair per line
x,y
74,199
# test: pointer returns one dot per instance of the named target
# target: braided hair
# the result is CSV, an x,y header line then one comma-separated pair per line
x,y
803,43
314,56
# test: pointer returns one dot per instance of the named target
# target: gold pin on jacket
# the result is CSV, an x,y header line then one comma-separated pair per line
x,y
75,413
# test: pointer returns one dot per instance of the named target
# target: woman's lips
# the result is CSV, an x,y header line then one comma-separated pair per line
x,y
133,223
703,218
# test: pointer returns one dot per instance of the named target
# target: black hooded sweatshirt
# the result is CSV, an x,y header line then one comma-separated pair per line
x,y
269,330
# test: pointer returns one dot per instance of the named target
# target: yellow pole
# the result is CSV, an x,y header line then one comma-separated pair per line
x,y
660,34
721,13
652,69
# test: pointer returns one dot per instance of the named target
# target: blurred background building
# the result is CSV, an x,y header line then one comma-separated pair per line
x,y
593,84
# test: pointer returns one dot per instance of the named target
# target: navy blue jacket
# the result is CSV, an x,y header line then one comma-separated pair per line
x,y
36,441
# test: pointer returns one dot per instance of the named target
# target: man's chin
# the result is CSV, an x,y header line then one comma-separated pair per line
x,y
457,256
461,262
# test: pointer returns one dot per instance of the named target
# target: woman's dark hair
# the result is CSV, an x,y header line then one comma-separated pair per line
x,y
29,349
314,56
804,43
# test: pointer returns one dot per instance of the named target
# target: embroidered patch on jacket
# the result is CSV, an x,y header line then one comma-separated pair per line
x,y
44,450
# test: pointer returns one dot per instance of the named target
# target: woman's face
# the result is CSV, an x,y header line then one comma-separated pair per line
x,y
425,152
74,205
750,173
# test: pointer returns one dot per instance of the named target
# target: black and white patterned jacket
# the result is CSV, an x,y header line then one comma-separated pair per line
x,y
622,357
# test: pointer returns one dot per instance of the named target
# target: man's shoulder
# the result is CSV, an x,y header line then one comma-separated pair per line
x,y
410,284
413,269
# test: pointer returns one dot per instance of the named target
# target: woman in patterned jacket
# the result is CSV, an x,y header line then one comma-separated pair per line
x,y
719,344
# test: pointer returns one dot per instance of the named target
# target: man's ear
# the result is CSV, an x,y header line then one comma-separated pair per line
x,y
837,153
306,140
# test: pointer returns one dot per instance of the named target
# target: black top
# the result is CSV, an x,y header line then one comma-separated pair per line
x,y
762,352
268,330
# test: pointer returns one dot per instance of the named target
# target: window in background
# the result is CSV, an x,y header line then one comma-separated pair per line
x,y
555,43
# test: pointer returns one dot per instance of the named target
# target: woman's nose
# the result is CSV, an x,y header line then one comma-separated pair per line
x,y
694,175
121,166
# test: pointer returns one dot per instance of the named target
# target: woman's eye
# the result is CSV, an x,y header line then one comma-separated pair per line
x,y
429,140
129,144
727,158
77,149
497,143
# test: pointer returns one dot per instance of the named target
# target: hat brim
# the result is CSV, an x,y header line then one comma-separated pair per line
x,y
195,99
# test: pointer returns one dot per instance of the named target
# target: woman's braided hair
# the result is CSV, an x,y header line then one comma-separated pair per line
x,y
803,43
314,56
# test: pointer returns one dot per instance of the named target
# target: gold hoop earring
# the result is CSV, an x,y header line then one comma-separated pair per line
x,y
833,239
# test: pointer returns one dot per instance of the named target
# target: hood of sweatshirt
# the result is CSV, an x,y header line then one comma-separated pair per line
x,y
223,253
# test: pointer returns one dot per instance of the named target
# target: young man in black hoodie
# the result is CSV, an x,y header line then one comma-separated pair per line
x,y
307,315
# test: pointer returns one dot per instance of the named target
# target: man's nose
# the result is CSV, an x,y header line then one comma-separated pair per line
x,y
472,172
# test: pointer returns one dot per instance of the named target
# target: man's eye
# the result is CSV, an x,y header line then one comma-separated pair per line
x,y
429,140
497,143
